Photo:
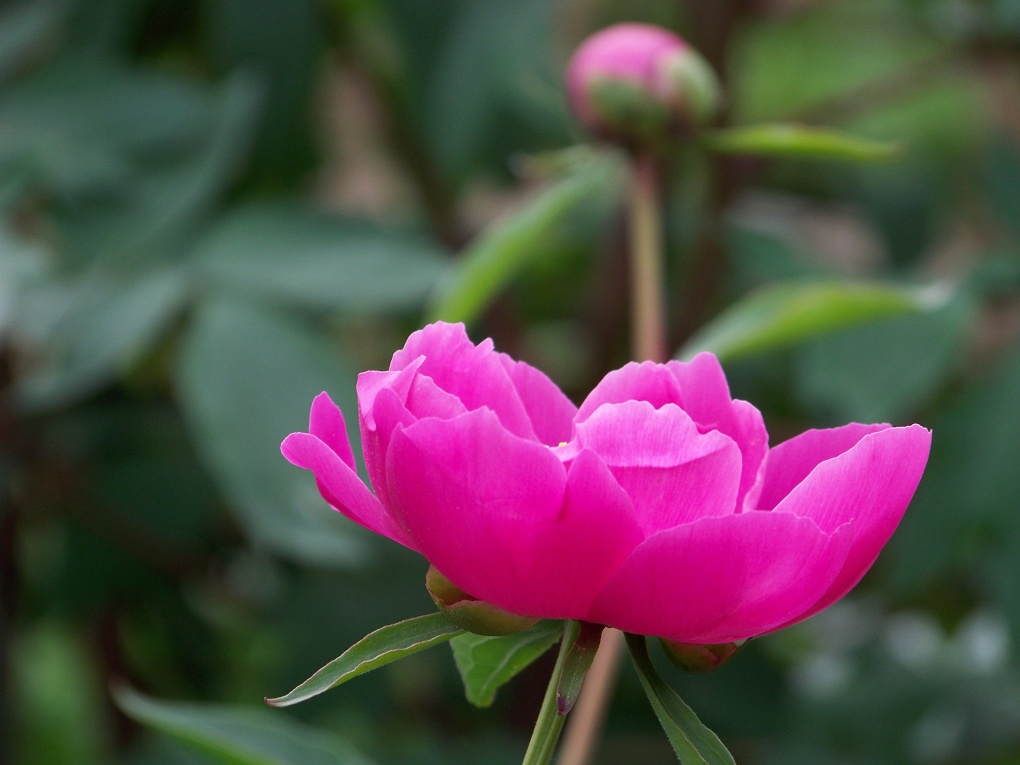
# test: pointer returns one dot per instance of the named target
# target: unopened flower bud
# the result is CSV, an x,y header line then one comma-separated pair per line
x,y
471,614
640,84
696,658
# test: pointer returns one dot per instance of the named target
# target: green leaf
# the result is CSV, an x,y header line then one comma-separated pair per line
x,y
25,31
511,244
479,109
90,330
235,735
282,43
781,315
385,645
487,663
312,259
576,665
246,378
693,743
882,371
976,438
791,140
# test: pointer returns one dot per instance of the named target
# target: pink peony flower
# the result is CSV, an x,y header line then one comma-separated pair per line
x,y
639,83
657,507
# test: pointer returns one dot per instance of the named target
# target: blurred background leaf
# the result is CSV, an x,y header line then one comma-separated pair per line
x,y
211,211
246,379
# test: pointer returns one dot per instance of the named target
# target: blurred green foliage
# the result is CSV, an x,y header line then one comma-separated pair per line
x,y
214,209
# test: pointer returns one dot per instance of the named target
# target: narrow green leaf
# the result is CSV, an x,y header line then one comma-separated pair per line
x,y
507,247
235,735
801,141
780,315
387,644
693,743
576,666
487,663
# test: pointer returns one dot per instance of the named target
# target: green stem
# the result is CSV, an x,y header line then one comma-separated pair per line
x,y
648,325
550,721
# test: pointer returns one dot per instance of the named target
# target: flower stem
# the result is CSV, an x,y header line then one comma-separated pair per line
x,y
590,712
550,722
648,313
648,333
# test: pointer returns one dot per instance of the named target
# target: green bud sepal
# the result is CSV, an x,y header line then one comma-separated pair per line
x,y
471,614
698,659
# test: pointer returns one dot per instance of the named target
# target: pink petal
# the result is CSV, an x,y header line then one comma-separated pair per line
x,y
705,396
628,52
790,462
326,422
633,382
388,399
550,411
371,383
426,399
473,374
672,473
871,484
340,485
388,412
468,491
722,579
559,566
394,388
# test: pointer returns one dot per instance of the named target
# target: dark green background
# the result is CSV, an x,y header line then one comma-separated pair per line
x,y
214,209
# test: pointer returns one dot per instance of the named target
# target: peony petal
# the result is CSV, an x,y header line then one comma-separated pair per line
x,y
722,579
566,562
705,396
473,374
467,492
340,485
326,422
871,484
388,412
550,411
370,384
426,399
647,381
672,473
388,399
790,462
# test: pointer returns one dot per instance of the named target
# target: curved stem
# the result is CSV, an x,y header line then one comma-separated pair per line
x,y
550,721
648,312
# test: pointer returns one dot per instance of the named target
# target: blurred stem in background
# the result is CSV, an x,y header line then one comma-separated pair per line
x,y
648,311
649,343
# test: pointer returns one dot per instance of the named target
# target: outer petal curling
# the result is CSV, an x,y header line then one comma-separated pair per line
x,y
388,399
790,462
371,383
672,473
341,486
722,579
473,374
467,492
872,484
326,422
